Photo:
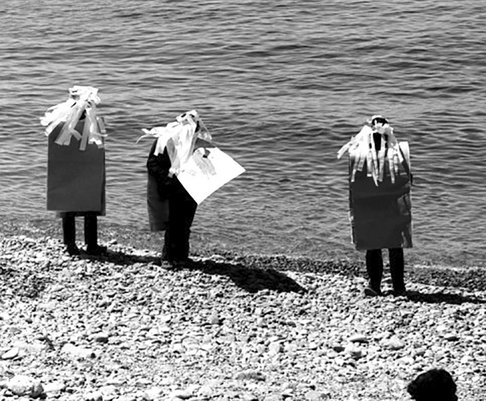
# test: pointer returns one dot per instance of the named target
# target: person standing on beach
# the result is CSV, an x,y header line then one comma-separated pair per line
x,y
171,207
76,166
379,199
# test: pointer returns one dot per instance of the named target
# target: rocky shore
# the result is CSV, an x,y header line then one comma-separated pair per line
x,y
121,327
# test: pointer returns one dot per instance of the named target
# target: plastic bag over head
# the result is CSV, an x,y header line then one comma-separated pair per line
x,y
366,149
179,137
81,104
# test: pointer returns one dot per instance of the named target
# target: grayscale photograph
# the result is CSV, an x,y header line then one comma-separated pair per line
x,y
241,200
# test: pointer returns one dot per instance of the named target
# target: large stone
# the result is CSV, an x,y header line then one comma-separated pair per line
x,y
25,386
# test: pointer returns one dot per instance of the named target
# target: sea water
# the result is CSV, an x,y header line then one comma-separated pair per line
x,y
281,86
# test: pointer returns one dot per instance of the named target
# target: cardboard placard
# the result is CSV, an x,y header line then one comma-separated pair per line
x,y
381,216
75,178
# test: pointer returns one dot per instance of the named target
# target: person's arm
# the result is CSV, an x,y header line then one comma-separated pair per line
x,y
158,167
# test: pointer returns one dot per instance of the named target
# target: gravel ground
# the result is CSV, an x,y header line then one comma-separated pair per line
x,y
230,327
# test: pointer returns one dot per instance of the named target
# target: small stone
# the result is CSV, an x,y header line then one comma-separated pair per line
x,y
183,394
250,397
290,347
250,375
165,318
54,387
78,352
11,354
354,351
338,348
154,393
451,337
108,392
407,361
105,302
358,338
393,343
205,391
315,396
215,320
274,348
94,396
419,351
102,338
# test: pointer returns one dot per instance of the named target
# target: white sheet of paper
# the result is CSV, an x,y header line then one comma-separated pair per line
x,y
207,170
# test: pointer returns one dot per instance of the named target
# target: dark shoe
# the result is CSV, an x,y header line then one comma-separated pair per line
x,y
372,292
96,250
72,249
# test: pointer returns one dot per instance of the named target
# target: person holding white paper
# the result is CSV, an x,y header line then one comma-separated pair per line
x,y
184,168
174,145
76,166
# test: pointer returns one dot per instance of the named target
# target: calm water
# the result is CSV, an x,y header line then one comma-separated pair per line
x,y
281,86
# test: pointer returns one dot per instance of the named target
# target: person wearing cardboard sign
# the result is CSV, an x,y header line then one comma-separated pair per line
x,y
379,199
76,165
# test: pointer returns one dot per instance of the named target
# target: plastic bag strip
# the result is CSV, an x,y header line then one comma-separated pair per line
x,y
82,101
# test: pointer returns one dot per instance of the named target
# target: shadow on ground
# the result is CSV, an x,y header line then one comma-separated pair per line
x,y
435,298
121,258
250,278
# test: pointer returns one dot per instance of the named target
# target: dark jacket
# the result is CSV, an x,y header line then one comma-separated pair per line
x,y
158,167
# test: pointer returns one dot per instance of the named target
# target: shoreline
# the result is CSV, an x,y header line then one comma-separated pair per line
x,y
146,240
250,327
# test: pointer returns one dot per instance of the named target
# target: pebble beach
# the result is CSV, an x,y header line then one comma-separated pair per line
x,y
121,327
